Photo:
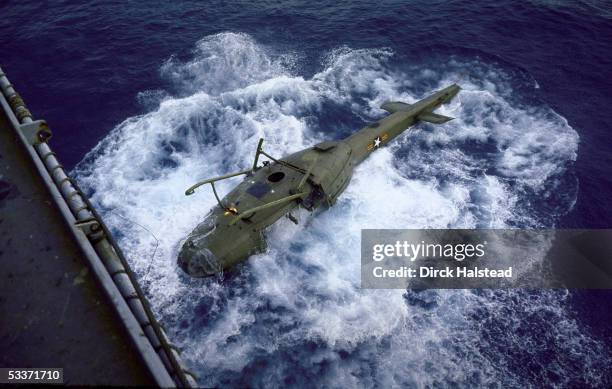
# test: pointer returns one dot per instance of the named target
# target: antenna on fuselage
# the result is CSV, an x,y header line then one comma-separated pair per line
x,y
259,151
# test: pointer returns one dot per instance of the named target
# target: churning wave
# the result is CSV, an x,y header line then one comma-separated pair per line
x,y
295,315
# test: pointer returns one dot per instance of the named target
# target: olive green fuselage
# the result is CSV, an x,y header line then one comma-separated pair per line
x,y
314,177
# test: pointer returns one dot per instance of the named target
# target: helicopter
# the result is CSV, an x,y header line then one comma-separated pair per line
x,y
310,178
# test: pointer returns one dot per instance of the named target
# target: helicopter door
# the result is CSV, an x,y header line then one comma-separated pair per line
x,y
314,198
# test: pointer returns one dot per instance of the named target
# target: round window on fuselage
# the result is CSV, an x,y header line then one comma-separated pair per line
x,y
276,177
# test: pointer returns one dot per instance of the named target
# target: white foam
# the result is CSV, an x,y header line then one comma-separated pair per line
x,y
305,289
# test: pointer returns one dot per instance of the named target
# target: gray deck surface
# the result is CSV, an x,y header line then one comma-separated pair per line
x,y
52,313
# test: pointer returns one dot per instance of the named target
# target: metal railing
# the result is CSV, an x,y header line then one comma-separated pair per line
x,y
100,249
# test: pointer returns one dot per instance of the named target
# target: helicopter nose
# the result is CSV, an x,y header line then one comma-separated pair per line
x,y
201,263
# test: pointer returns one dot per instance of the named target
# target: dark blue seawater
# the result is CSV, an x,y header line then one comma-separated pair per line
x,y
146,97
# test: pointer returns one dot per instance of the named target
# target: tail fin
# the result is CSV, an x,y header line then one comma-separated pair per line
x,y
433,118
398,106
395,106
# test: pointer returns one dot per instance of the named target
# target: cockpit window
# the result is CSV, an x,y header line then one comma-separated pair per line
x,y
204,229
276,177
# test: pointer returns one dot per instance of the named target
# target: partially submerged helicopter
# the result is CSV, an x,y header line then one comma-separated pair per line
x,y
309,178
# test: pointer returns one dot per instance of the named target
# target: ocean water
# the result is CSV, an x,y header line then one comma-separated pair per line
x,y
147,100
